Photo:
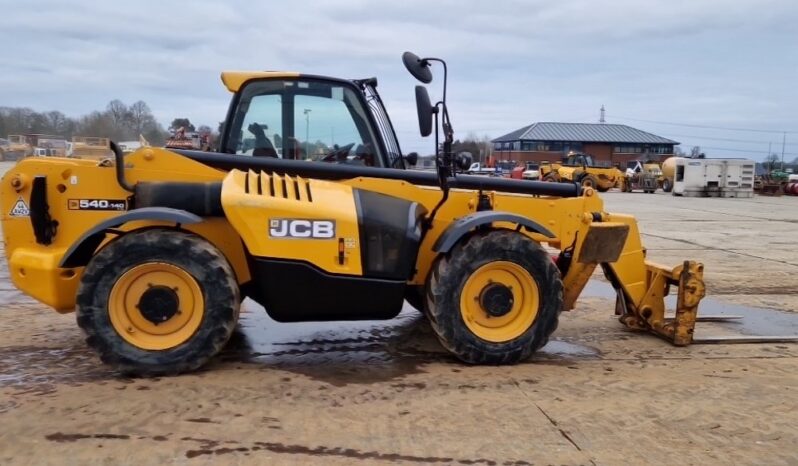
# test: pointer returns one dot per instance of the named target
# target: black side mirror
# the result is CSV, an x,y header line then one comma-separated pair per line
x,y
417,67
463,161
412,158
425,110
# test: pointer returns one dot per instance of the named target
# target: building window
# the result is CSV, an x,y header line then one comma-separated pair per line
x,y
628,149
642,149
572,146
662,149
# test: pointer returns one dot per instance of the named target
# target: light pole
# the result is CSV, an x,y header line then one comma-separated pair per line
x,y
307,133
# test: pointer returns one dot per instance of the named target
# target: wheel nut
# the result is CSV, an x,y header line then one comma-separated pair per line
x,y
130,330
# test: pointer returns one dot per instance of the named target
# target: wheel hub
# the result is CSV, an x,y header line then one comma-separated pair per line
x,y
158,304
496,299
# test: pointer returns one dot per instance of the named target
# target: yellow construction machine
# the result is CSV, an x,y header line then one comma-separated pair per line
x,y
89,147
643,175
155,250
580,168
17,148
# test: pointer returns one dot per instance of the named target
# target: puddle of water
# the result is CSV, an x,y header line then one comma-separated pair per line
x,y
339,352
567,350
597,289
264,339
755,321
383,349
37,370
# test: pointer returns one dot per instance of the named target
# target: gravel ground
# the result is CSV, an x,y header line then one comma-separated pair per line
x,y
385,392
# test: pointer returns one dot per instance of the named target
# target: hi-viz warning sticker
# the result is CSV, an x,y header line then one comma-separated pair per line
x,y
20,209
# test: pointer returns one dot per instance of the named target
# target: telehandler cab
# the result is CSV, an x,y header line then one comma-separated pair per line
x,y
156,249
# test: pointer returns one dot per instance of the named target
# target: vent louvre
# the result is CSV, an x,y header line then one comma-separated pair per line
x,y
282,186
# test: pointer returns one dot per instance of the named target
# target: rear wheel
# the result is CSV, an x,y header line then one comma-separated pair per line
x,y
158,302
495,298
551,178
667,186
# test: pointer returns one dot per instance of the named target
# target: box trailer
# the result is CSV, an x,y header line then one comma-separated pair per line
x,y
713,177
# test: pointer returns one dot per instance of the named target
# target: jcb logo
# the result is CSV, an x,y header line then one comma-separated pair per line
x,y
295,228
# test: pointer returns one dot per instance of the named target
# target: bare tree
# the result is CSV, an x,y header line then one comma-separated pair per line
x,y
771,162
695,152
118,112
141,118
117,122
57,122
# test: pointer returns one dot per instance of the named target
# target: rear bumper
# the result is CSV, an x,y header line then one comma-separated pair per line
x,y
36,273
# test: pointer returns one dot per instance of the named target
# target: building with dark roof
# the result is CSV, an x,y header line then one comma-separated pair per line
x,y
607,143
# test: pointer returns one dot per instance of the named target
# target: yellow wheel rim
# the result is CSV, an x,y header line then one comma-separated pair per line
x,y
519,316
136,326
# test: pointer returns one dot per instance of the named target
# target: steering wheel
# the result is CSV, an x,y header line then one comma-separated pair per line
x,y
338,155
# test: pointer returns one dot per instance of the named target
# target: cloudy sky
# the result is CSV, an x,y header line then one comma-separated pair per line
x,y
697,65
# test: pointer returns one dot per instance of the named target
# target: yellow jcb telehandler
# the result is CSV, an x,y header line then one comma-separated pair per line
x,y
155,250
577,167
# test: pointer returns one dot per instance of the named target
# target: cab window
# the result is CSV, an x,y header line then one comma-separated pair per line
x,y
303,120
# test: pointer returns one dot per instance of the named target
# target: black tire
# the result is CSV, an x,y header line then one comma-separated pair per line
x,y
196,257
589,181
448,278
667,186
414,295
551,178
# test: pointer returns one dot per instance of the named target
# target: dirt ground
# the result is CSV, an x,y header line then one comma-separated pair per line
x,y
385,392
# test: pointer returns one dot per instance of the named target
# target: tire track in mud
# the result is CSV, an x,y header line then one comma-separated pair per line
x,y
208,447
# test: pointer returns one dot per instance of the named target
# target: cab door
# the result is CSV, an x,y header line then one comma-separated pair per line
x,y
316,119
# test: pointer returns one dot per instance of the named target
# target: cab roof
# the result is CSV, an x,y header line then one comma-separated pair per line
x,y
233,80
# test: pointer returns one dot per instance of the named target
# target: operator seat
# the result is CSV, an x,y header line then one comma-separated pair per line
x,y
265,150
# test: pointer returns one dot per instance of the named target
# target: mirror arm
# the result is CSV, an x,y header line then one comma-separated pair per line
x,y
443,158
445,71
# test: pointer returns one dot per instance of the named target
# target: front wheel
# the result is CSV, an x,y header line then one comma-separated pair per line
x,y
589,181
414,295
495,298
158,302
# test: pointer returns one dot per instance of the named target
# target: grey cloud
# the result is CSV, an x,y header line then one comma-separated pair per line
x,y
511,62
